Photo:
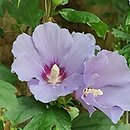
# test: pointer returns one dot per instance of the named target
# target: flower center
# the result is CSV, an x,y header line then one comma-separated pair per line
x,y
95,92
54,78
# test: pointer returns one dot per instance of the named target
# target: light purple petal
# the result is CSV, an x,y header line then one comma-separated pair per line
x,y
116,96
110,67
72,83
90,108
27,63
23,44
51,41
78,96
113,112
113,78
45,92
82,49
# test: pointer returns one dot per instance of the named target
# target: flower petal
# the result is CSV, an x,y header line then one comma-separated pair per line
x,y
82,49
113,112
45,92
51,41
116,96
27,63
23,44
110,68
72,83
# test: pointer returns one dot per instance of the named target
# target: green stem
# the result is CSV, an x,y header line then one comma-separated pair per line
x,y
127,117
46,8
49,8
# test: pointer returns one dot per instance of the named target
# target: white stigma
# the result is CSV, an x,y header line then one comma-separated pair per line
x,y
95,92
54,78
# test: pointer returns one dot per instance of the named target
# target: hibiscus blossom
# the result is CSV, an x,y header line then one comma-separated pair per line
x,y
107,85
51,60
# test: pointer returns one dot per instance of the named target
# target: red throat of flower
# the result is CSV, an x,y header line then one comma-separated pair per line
x,y
54,74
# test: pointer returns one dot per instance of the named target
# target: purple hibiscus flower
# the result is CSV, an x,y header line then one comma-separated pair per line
x,y
51,60
107,85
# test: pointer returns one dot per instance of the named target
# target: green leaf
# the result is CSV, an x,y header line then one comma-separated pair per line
x,y
98,121
1,8
7,95
79,16
59,2
121,127
125,51
64,2
6,75
127,22
101,28
120,34
87,18
26,109
41,116
25,11
56,2
52,118
1,125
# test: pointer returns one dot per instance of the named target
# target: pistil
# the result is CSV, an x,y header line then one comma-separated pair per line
x,y
53,77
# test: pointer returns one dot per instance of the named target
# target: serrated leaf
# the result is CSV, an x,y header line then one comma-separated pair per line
x,y
26,109
6,75
25,11
98,121
53,118
7,95
87,18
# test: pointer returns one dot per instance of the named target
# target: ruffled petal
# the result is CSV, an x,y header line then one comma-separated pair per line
x,y
44,92
116,96
72,83
51,41
23,44
82,49
113,112
27,63
78,96
108,71
110,68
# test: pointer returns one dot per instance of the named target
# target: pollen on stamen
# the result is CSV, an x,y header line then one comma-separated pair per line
x,y
95,92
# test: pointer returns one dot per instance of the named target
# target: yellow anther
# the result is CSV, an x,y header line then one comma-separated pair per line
x,y
95,92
